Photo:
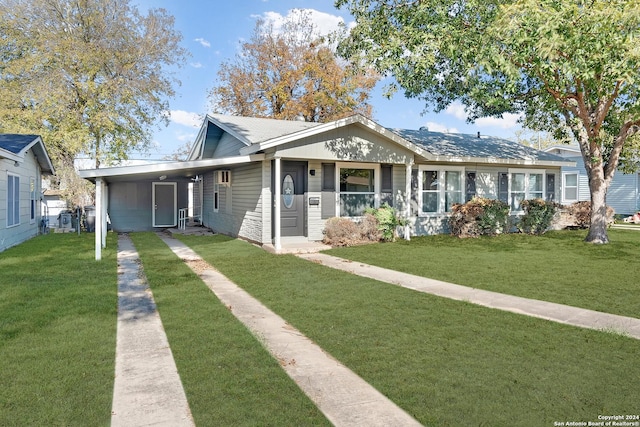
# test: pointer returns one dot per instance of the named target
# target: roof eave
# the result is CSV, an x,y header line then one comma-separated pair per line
x,y
355,119
501,161
165,168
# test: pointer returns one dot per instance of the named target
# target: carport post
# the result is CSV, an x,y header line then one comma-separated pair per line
x,y
98,225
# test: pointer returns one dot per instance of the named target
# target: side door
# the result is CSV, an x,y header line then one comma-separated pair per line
x,y
165,204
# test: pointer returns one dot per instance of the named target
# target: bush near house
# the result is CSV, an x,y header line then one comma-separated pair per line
x,y
376,225
578,215
478,217
538,216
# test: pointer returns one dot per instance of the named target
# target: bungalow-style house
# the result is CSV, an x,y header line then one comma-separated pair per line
x,y
623,195
23,163
267,180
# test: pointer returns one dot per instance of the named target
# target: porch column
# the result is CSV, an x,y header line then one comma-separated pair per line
x,y
276,208
407,205
105,209
98,219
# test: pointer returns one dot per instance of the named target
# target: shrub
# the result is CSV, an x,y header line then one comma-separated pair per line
x,y
388,221
538,215
578,215
346,232
479,216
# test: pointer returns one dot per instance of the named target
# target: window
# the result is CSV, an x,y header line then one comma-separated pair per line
x,y
13,200
570,187
358,188
216,191
440,189
32,198
525,185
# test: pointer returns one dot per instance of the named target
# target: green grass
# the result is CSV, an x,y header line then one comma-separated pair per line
x,y
228,376
557,266
447,363
58,311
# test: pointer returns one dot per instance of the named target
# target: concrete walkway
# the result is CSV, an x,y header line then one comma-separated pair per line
x,y
147,389
545,310
342,396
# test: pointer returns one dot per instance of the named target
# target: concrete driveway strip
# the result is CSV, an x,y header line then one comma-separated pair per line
x,y
147,389
342,396
530,307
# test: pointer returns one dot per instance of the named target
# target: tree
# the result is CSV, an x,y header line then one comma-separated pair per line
x,y
90,76
291,73
565,64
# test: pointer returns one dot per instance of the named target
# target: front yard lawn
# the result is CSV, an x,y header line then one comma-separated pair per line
x,y
557,266
445,362
58,309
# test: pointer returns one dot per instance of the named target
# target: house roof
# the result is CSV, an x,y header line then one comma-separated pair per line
x,y
474,148
248,130
15,146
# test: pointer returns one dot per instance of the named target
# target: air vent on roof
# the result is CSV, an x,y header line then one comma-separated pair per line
x,y
424,128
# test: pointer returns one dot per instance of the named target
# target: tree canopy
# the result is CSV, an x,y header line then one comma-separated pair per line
x,y
569,66
289,73
90,76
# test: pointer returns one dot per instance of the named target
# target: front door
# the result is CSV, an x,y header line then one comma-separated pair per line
x,y
164,201
293,186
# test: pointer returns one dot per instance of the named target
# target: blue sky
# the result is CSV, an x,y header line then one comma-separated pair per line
x,y
212,32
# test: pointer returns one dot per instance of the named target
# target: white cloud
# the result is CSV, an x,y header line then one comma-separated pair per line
x,y
203,42
324,22
508,120
196,64
438,127
457,110
185,118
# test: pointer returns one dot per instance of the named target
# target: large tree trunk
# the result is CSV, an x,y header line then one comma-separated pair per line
x,y
598,226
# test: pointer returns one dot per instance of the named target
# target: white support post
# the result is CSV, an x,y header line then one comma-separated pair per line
x,y
276,205
407,205
105,208
98,219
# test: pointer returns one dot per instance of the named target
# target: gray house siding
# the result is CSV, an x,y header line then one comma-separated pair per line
x,y
623,193
131,204
228,146
240,203
26,171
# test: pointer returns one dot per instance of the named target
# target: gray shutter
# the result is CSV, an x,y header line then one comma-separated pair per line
x,y
328,194
386,184
415,197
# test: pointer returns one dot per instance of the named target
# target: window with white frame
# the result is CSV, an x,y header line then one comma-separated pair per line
x,y
13,200
525,185
440,188
569,187
358,188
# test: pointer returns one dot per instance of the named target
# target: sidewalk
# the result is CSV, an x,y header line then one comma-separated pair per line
x,y
542,309
147,389
342,396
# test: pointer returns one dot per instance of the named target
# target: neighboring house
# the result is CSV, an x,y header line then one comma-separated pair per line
x,y
23,163
318,171
623,195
